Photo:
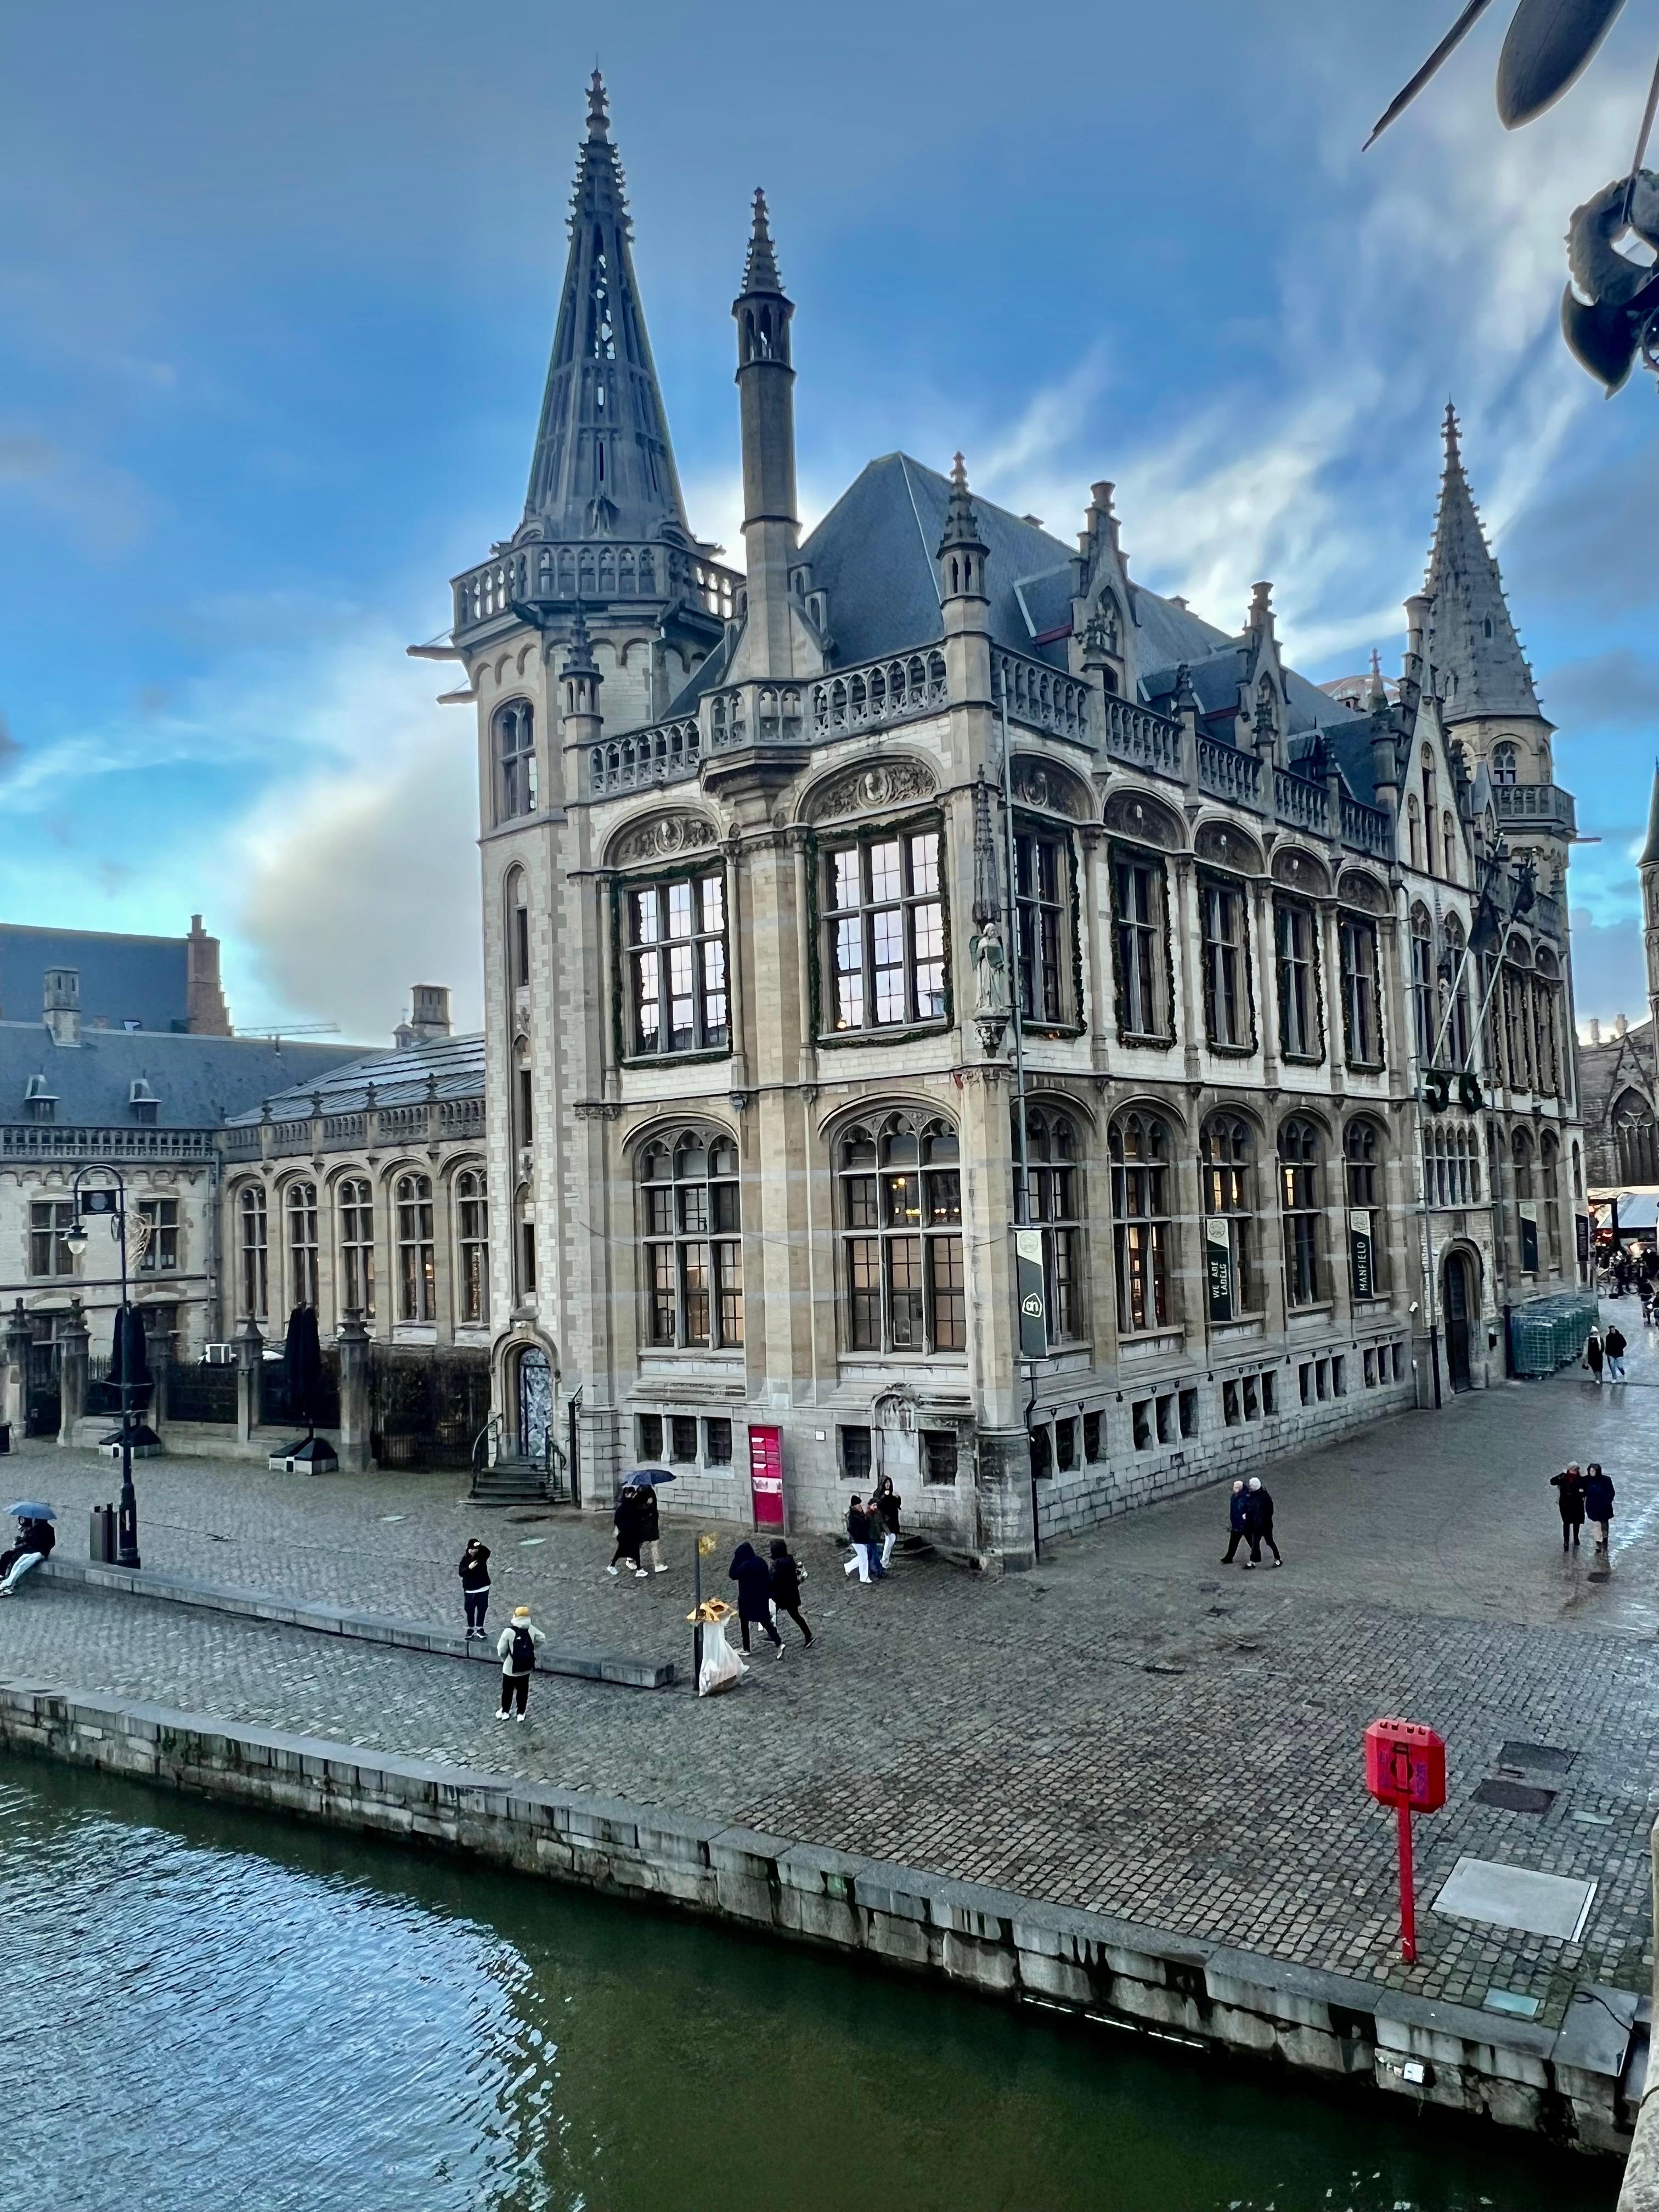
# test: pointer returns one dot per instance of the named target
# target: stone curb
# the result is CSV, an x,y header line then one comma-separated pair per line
x,y
1062,1957
616,1667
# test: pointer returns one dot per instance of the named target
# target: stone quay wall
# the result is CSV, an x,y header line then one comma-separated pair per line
x,y
1200,1994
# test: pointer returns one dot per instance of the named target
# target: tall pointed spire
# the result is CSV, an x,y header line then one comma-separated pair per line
x,y
1651,850
604,467
760,271
1472,645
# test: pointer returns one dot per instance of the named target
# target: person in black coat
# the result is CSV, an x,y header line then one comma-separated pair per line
x,y
861,1528
1598,1501
754,1581
886,1503
1239,1518
1261,1518
628,1531
787,1575
1570,1486
650,1528
474,1586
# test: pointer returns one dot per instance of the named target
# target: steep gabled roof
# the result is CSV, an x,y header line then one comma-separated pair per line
x,y
199,1082
1472,646
123,979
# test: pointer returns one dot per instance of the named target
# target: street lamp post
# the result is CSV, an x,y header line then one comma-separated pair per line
x,y
104,1204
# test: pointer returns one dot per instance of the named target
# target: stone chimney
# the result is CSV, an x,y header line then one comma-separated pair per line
x,y
205,1011
428,1018
63,1006
1595,1029
1621,1025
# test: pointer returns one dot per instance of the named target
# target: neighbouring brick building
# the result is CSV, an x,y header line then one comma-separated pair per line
x,y
1292,970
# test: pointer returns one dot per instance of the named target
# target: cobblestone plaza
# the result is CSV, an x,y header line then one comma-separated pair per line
x,y
1129,1729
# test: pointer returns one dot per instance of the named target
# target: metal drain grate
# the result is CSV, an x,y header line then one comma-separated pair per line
x,y
1515,1796
1536,1757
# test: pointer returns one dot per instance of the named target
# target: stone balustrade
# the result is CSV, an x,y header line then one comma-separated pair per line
x,y
896,689
1136,734
1043,698
1535,806
596,575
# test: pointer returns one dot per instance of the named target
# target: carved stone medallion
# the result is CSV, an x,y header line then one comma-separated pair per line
x,y
866,790
664,839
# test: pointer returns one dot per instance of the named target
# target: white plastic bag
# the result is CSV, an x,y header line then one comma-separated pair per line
x,y
721,1666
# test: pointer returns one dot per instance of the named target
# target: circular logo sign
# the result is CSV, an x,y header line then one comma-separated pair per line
x,y
1033,1305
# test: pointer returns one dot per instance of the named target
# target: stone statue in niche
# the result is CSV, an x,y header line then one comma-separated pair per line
x,y
990,958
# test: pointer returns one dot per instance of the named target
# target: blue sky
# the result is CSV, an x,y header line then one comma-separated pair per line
x,y
277,291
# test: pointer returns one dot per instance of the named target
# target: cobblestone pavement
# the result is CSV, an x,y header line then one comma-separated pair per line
x,y
1129,1728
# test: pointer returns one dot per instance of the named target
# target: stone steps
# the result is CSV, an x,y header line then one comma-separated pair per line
x,y
510,1482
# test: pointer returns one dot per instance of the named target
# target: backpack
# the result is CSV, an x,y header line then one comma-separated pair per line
x,y
524,1652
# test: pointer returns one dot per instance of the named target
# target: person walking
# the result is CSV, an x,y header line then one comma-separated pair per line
x,y
788,1575
1593,1355
1569,1486
754,1581
627,1525
474,1586
1262,1503
516,1646
1239,1516
1598,1501
887,1505
650,1529
1615,1347
866,1561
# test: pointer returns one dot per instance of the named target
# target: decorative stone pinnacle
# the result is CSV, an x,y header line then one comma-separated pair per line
x,y
598,109
760,271
579,654
1185,696
960,523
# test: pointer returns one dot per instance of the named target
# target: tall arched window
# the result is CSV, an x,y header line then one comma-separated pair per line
x,y
417,1295
1143,1230
1428,806
692,1231
1413,831
1449,847
1455,1049
1506,763
1299,1201
1362,995
1633,1137
515,729
1368,1244
1549,1174
517,929
1422,1021
900,1212
300,1207
356,1201
1053,1159
472,1246
251,1214
1525,1204
1227,1164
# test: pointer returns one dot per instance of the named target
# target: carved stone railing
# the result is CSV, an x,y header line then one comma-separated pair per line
x,y
878,692
1535,806
342,1129
597,575
1227,773
1044,698
240,1144
1549,917
757,714
661,754
1366,828
44,1140
1304,805
460,1117
427,1121
290,1136
401,1125
1136,734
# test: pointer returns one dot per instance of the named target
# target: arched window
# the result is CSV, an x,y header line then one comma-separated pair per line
x,y
1053,1159
1362,995
517,929
417,1298
1422,1021
1413,831
1455,1049
1633,1136
1226,1155
692,1231
356,1203
1451,1165
1506,763
1299,1200
1549,1174
251,1213
1449,847
300,1207
514,727
472,1246
1143,1230
1297,962
1429,805
1526,1205
1368,1242
1545,1057
900,1213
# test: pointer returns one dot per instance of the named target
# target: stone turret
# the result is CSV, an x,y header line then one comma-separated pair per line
x,y
771,526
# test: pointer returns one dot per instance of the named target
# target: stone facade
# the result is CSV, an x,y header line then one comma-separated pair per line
x,y
1619,1073
1296,1045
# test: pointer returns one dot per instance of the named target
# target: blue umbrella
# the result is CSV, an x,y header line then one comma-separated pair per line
x,y
647,1477
31,1508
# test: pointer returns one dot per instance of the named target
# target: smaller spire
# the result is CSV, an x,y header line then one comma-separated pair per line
x,y
598,108
1454,452
1377,698
760,271
960,523
1650,850
579,654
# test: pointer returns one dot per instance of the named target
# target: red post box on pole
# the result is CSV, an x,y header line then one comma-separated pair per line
x,y
1406,1767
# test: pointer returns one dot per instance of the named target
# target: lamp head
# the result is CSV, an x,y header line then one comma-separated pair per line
x,y
76,1238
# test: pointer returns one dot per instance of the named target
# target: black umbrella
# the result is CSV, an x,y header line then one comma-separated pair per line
x,y
303,1355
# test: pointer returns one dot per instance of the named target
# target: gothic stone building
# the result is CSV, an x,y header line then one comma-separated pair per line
x,y
1296,1003
1619,1073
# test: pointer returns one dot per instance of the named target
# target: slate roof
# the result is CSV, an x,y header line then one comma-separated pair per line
x,y
1607,1069
199,1081
399,1078
1472,645
124,978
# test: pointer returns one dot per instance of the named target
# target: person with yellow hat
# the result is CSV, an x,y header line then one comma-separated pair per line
x,y
517,1646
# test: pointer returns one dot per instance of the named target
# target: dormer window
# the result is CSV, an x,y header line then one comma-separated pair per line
x,y
143,1102
38,1102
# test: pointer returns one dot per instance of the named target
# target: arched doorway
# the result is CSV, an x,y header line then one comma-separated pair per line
x,y
1463,1308
535,1403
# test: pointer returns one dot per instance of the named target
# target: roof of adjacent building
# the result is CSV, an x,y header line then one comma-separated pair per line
x,y
446,1067
123,979
1472,648
198,1082
1606,1070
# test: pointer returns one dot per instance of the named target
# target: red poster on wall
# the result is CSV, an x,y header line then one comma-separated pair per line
x,y
766,1476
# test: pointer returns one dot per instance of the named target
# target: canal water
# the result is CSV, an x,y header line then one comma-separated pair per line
x,y
200,2009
